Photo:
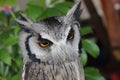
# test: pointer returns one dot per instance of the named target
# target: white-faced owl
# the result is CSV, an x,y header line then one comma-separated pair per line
x,y
51,47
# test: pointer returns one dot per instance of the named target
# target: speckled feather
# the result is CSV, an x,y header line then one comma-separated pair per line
x,y
61,71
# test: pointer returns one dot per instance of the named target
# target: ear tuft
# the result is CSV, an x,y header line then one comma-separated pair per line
x,y
24,18
74,13
24,22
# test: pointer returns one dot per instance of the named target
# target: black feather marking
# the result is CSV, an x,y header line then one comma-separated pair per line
x,y
22,17
52,21
31,56
80,47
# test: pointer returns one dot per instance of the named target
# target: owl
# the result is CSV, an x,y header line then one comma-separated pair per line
x,y
51,47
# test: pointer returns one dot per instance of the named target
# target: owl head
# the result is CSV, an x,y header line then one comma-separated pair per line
x,y
53,40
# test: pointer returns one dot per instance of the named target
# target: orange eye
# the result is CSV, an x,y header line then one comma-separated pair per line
x,y
44,44
71,37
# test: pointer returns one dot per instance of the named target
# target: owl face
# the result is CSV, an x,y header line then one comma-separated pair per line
x,y
53,40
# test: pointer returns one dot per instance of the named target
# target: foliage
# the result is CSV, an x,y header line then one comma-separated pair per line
x,y
95,74
8,2
10,54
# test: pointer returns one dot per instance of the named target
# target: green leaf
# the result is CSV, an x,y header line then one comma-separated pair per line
x,y
35,9
63,7
43,3
33,3
19,62
91,48
8,2
3,19
1,68
6,70
93,74
5,56
53,1
16,31
84,57
67,4
57,10
3,36
86,30
11,41
16,77
47,13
